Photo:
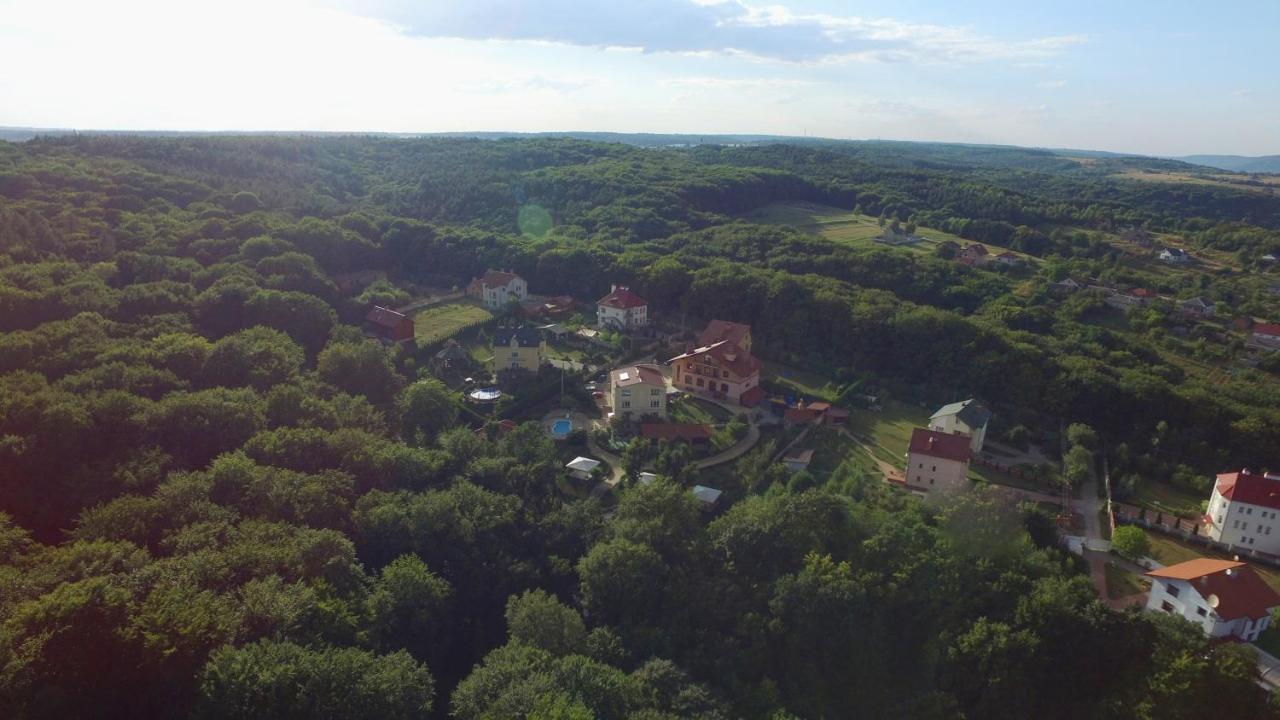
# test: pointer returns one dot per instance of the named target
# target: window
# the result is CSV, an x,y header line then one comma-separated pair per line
x,y
1172,590
1201,612
699,382
935,468
724,387
654,391
654,403
626,392
1165,606
921,466
1248,511
1235,524
515,354
626,403
930,481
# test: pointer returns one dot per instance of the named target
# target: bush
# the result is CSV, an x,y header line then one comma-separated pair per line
x,y
1131,542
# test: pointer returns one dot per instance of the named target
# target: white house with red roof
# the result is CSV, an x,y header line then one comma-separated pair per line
x,y
496,288
1244,510
723,368
937,462
1265,336
621,309
1224,597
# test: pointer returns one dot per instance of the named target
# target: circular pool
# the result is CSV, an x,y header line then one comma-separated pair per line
x,y
562,427
485,395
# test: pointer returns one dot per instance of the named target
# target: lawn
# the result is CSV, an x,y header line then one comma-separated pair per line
x,y
803,382
435,323
889,429
997,477
831,448
841,225
1169,550
691,409
1166,497
1122,583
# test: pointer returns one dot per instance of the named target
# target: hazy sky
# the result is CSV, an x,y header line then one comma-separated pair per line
x,y
1159,77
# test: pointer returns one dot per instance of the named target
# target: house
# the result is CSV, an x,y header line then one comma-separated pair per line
x,y
1127,300
896,237
708,497
1268,258
647,478
801,416
388,324
496,288
974,255
1264,336
547,308
692,433
1243,511
722,366
967,417
638,390
1196,307
948,248
718,330
622,309
1174,256
519,348
798,460
1065,286
1224,597
581,468
1009,258
348,283
1137,236
452,356
937,462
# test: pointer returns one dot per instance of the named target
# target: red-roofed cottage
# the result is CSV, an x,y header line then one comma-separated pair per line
x,y
389,324
621,309
724,369
1265,336
937,462
496,288
1243,511
1224,597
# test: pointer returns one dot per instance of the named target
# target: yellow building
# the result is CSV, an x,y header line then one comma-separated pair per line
x,y
638,390
517,349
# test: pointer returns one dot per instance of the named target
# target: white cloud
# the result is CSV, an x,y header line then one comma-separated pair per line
x,y
735,83
1051,83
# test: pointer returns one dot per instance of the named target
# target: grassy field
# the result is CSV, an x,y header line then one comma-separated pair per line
x,y
1169,550
690,409
435,323
1122,583
842,225
831,448
889,429
1167,498
805,383
1269,185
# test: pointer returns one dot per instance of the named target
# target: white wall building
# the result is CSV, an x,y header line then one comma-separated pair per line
x,y
937,462
1224,597
1244,510
496,288
622,309
967,417
638,390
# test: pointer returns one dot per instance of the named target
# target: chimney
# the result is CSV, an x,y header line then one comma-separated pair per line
x,y
613,287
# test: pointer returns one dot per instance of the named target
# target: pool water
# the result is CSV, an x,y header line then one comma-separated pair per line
x,y
561,428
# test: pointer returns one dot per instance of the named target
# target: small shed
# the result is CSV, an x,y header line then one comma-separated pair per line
x,y
709,497
580,468
647,478
798,460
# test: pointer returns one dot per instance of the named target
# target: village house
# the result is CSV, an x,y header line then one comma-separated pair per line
x,y
622,310
496,288
1264,336
638,390
797,460
582,468
548,308
937,462
349,282
1128,300
815,413
1242,511
974,255
1137,236
1174,256
897,237
389,325
1009,258
519,348
722,366
1065,286
1225,598
967,417
1196,307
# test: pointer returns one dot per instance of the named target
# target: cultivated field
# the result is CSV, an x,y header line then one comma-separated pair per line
x,y
438,322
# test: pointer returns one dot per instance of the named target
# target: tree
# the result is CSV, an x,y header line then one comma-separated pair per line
x,y
538,619
1078,466
409,606
259,357
1082,435
360,368
427,407
283,681
1131,542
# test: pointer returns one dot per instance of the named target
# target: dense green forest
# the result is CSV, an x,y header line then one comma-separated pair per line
x,y
219,499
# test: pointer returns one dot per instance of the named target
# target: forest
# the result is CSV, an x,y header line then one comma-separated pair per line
x,y
219,499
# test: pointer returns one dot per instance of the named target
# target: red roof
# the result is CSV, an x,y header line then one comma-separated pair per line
x,y
675,431
497,278
1267,329
1250,488
718,330
933,443
728,355
622,299
1240,592
800,416
384,317
975,249
752,397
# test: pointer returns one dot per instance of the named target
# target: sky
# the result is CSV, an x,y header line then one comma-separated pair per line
x,y
1168,77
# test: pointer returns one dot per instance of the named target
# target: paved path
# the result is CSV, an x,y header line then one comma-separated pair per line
x,y
615,465
738,449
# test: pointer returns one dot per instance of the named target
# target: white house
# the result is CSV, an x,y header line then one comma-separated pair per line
x,y
647,478
1174,256
1224,597
1265,336
967,417
496,288
638,390
1197,307
580,468
798,460
937,462
1243,511
622,309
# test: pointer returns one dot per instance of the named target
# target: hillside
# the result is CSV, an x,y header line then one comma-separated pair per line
x,y
1236,163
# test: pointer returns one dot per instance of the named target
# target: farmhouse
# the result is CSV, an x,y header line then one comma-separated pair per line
x,y
519,348
1196,307
974,255
496,288
388,324
622,309
1265,336
1174,256
1225,598
1242,511
638,390
967,417
1009,258
937,462
723,369
1065,286
1127,300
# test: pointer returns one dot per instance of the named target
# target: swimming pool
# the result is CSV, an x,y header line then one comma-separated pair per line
x,y
561,428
